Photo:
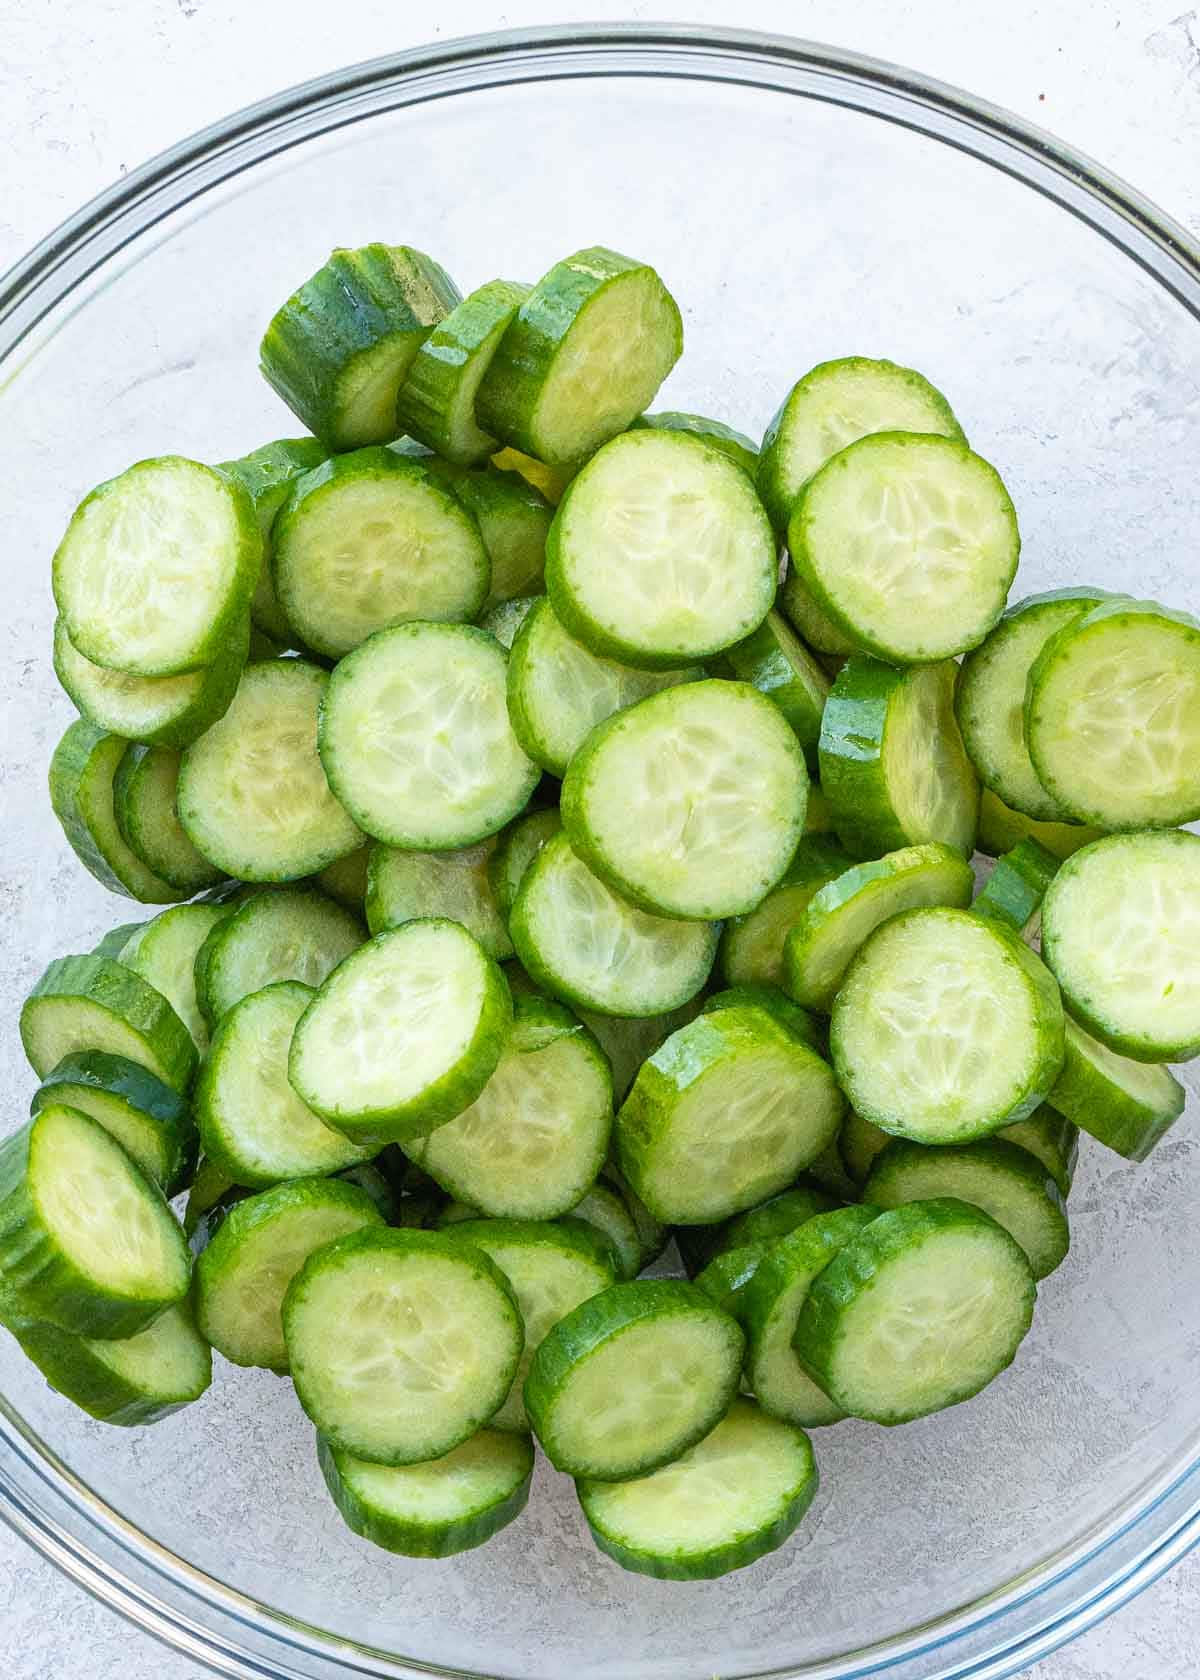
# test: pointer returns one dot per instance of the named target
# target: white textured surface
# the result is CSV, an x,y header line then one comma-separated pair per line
x,y
89,88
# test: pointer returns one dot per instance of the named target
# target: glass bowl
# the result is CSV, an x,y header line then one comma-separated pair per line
x,y
802,204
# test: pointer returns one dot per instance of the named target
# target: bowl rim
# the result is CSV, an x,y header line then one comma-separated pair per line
x,y
40,1497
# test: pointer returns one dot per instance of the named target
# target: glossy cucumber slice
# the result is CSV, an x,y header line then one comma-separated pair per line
x,y
164,953
82,772
514,850
402,1344
338,350
514,522
947,1027
691,803
1128,1106
293,934
892,761
144,790
1047,1134
632,1378
909,543
589,348
1017,885
752,945
436,404
1000,829
925,1307
403,1035
739,448
652,1233
85,1004
841,915
1121,933
416,740
725,1277
132,1382
253,797
792,1016
267,475
402,886
777,663
151,1121
660,553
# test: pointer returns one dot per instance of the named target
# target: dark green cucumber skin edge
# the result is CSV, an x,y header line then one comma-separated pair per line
x,y
97,1390
596,1322
451,346
127,793
1082,1097
816,1242
352,304
740,449
133,1000
773,1219
267,474
818,859
38,1282
1062,1143
223,932
725,1278
852,1272
1016,887
762,660
70,767
163,1107
564,1233
439,1539
797,1020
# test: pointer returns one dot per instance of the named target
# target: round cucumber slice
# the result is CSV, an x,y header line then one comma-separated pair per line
x,y
95,1004
436,403
1000,829
773,1219
416,739
403,1035
632,1378
736,1495
381,1323
740,449
909,543
725,1113
946,1027
924,1308
660,554
752,945
82,773
151,1122
1112,716
292,934
1014,891
690,804
990,700
133,1382
725,1277
1128,1106
164,953
590,346
793,1017
1047,1134
144,790
253,797
1121,933
433,1510
514,522
402,886
582,942
514,851
533,1141
267,475
834,405
811,620
777,663
87,1242
892,761
842,914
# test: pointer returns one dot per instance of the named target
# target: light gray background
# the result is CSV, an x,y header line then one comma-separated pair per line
x,y
90,88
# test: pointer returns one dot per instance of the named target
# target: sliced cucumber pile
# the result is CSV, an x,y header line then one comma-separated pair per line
x,y
477,727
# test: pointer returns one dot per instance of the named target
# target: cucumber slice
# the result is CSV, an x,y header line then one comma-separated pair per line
x,y
1016,887
403,1035
416,740
777,663
253,797
160,711
738,1494
1001,829
1048,1135
559,690
403,886
946,1027
792,1016
990,699
82,772
369,540
892,761
582,942
116,939
725,1277
1112,716
436,404
604,1211
514,851
652,1234
1121,933
909,543
632,1378
96,1004
725,1113
164,953
1126,1105
338,350
87,1242
834,405
773,1219
796,600
514,522
739,448
257,1249
841,916
533,1141
267,475
132,1382
402,1343
144,789
293,934
505,619
924,1308
1003,1179
433,1510
552,1269
346,879
157,568
628,1040
549,481
151,1122
691,803
590,346
752,945
660,553
252,1123
770,1310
